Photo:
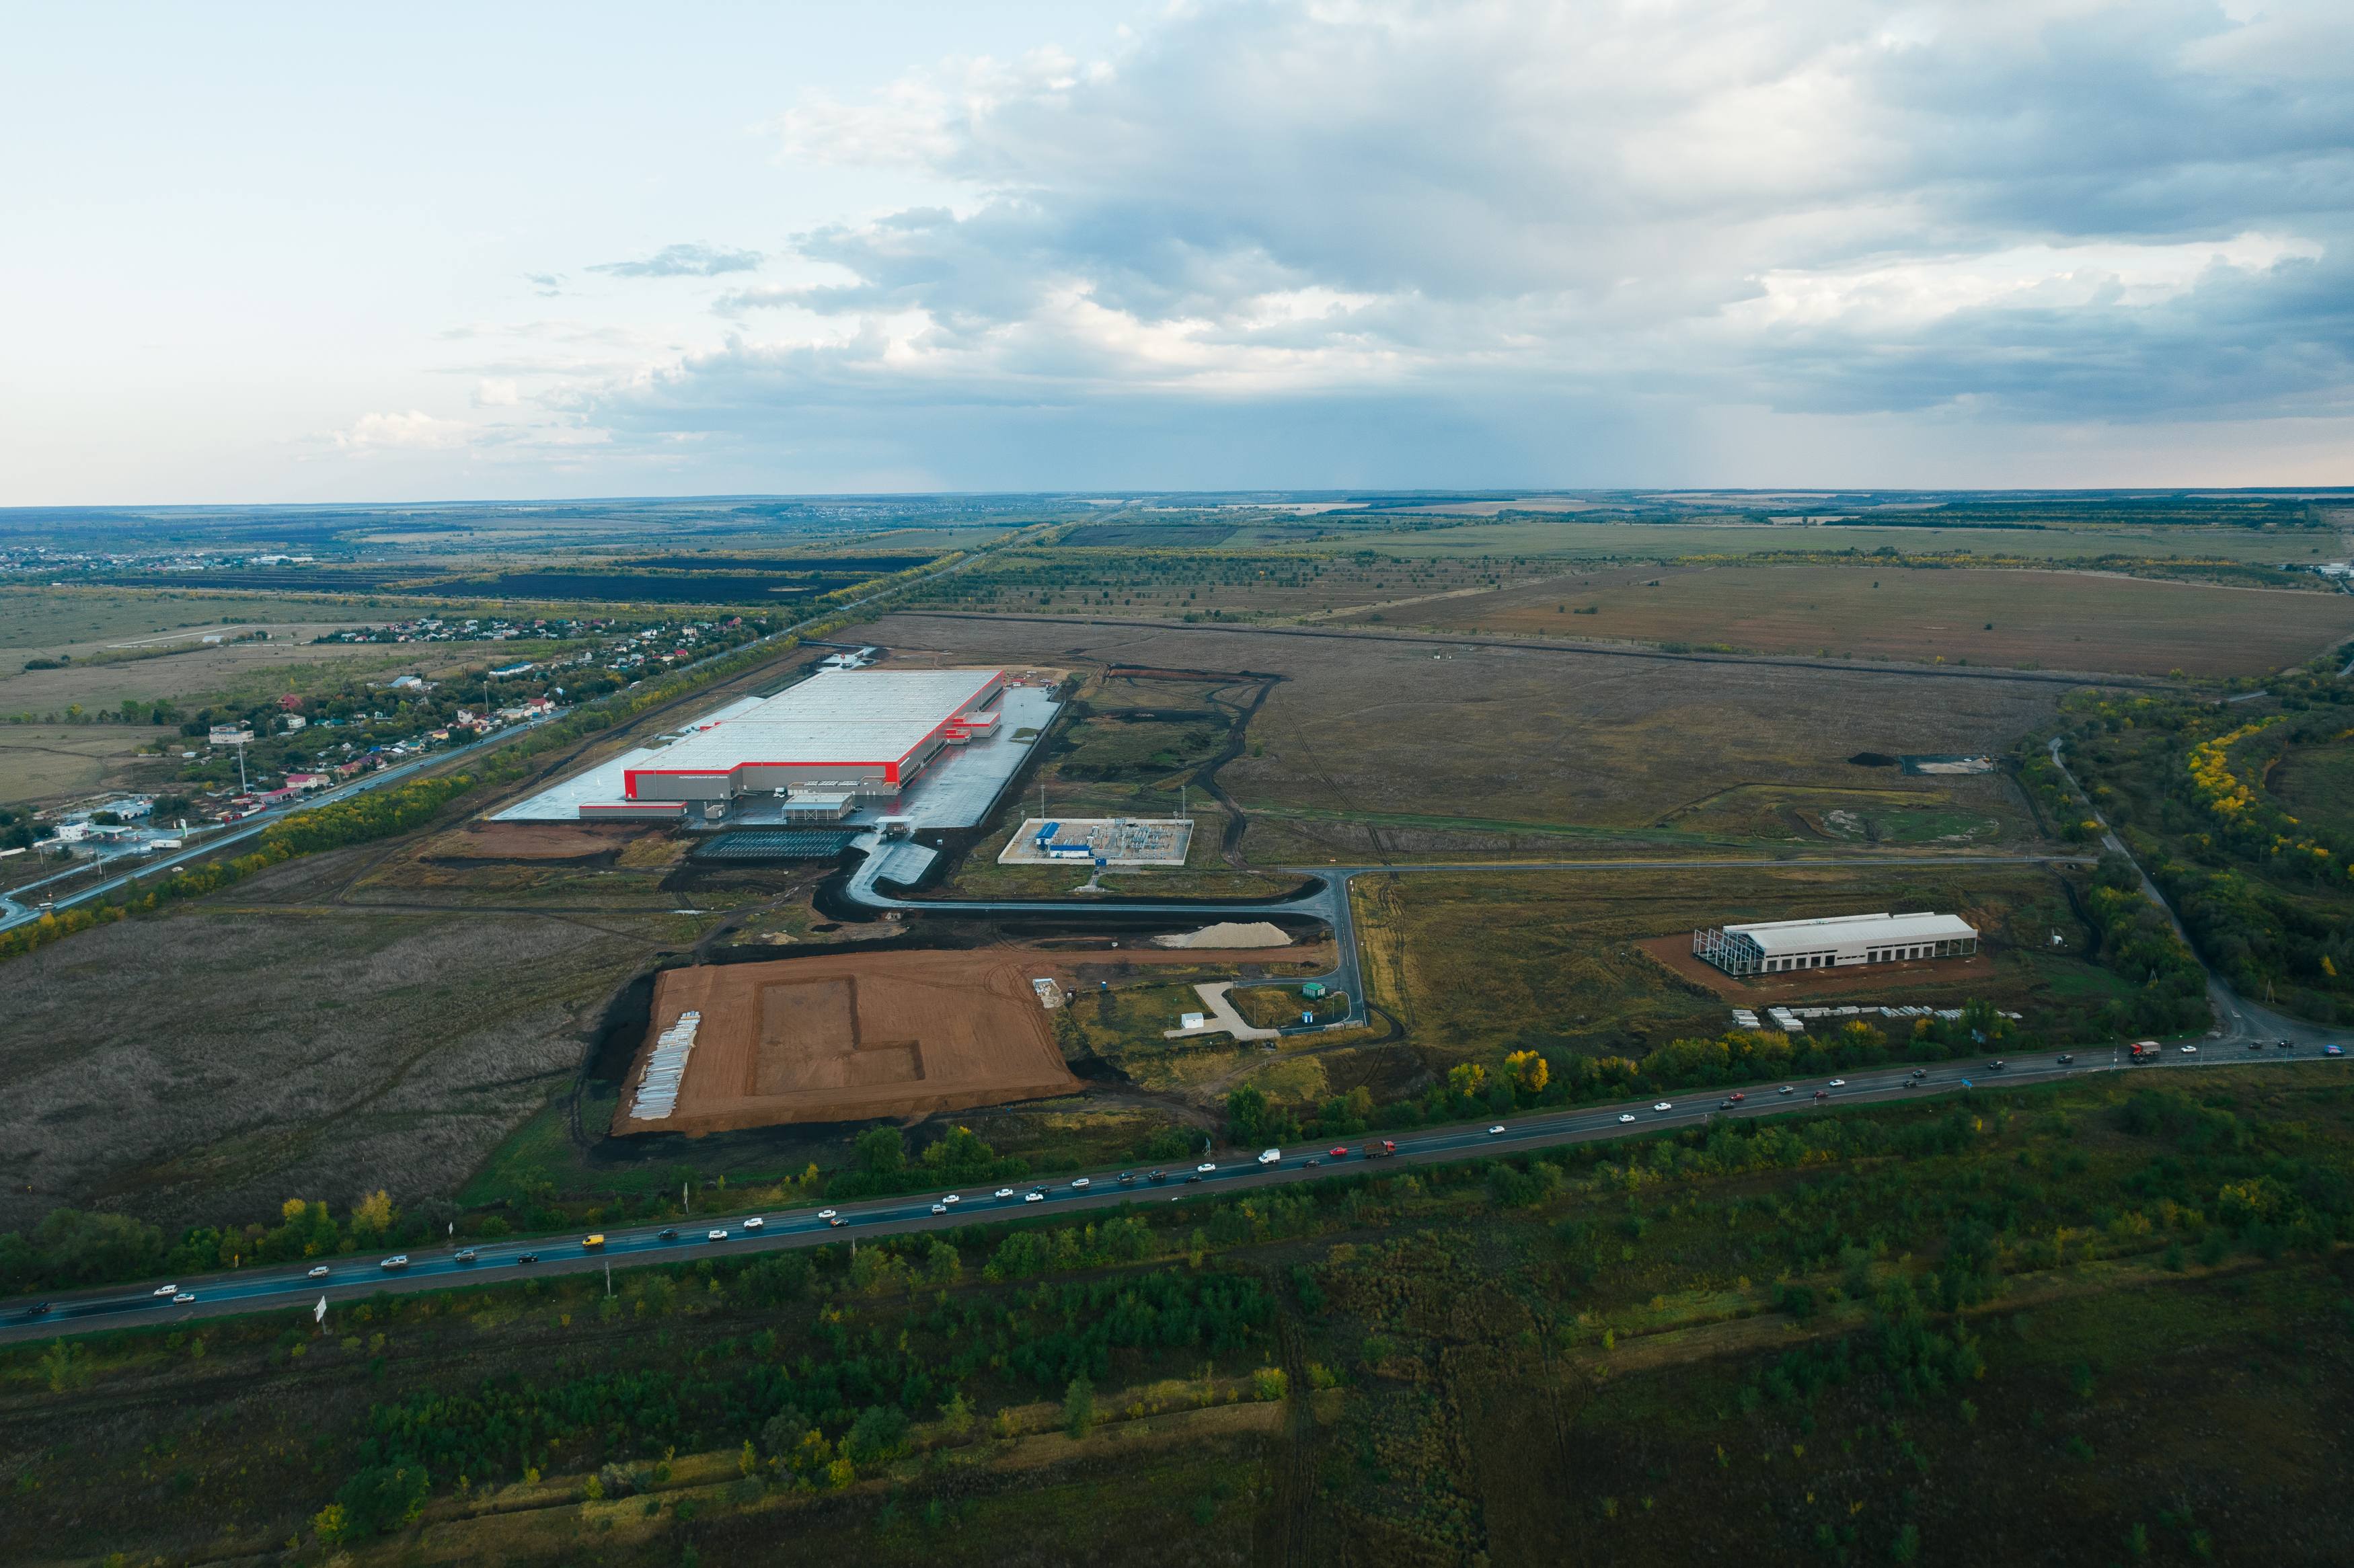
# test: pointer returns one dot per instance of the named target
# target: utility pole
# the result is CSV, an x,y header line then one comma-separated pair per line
x,y
609,1277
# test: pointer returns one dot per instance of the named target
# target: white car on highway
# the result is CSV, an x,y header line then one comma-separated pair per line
x,y
2191,1050
756,1224
166,1290
940,1208
1664,1105
1082,1181
953,1198
1206,1168
1495,1129
1627,1117
825,1214
1839,1083
1003,1192
714,1235
184,1298
1034,1196
320,1272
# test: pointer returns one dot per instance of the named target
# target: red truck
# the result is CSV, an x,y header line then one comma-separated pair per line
x,y
2145,1051
1380,1149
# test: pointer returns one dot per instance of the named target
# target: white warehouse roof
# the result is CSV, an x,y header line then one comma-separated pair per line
x,y
852,717
1775,938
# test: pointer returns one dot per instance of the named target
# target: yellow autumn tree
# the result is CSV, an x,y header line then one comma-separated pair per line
x,y
1531,1070
375,1213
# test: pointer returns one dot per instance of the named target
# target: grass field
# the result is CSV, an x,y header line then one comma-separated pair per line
x,y
1955,811
1475,964
42,762
49,619
231,1055
1366,729
2316,783
1650,541
2061,620
243,670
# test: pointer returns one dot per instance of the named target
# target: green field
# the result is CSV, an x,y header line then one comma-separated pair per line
x,y
2030,619
1659,541
1477,964
1968,811
2316,782
43,617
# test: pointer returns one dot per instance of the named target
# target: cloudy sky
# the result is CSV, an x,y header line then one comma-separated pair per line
x,y
313,253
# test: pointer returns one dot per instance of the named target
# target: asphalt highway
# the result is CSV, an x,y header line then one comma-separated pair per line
x,y
350,1279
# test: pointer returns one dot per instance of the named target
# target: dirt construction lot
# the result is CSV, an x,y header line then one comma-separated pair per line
x,y
842,1037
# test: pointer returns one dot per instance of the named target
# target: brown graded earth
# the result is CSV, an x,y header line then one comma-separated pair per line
x,y
849,1036
1674,953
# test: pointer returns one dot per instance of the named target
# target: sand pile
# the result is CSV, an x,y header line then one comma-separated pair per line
x,y
1228,934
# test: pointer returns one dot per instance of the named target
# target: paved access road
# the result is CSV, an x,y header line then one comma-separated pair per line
x,y
289,1285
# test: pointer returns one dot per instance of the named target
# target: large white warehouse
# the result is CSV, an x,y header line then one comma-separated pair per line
x,y
870,731
1834,941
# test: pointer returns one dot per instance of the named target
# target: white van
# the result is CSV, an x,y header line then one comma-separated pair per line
x,y
1269,1156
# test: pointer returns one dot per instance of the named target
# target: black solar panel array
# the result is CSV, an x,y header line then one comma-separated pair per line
x,y
776,843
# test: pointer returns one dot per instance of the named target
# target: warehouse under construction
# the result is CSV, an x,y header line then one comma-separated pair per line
x,y
1772,947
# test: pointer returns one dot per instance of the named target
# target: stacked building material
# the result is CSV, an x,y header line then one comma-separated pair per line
x,y
658,1089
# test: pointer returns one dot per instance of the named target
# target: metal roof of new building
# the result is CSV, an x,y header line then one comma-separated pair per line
x,y
1851,930
856,718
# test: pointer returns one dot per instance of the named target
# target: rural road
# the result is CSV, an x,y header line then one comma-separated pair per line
x,y
2237,1020
288,1285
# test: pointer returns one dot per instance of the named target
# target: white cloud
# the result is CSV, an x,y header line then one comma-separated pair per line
x,y
2079,212
412,432
2024,277
496,392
